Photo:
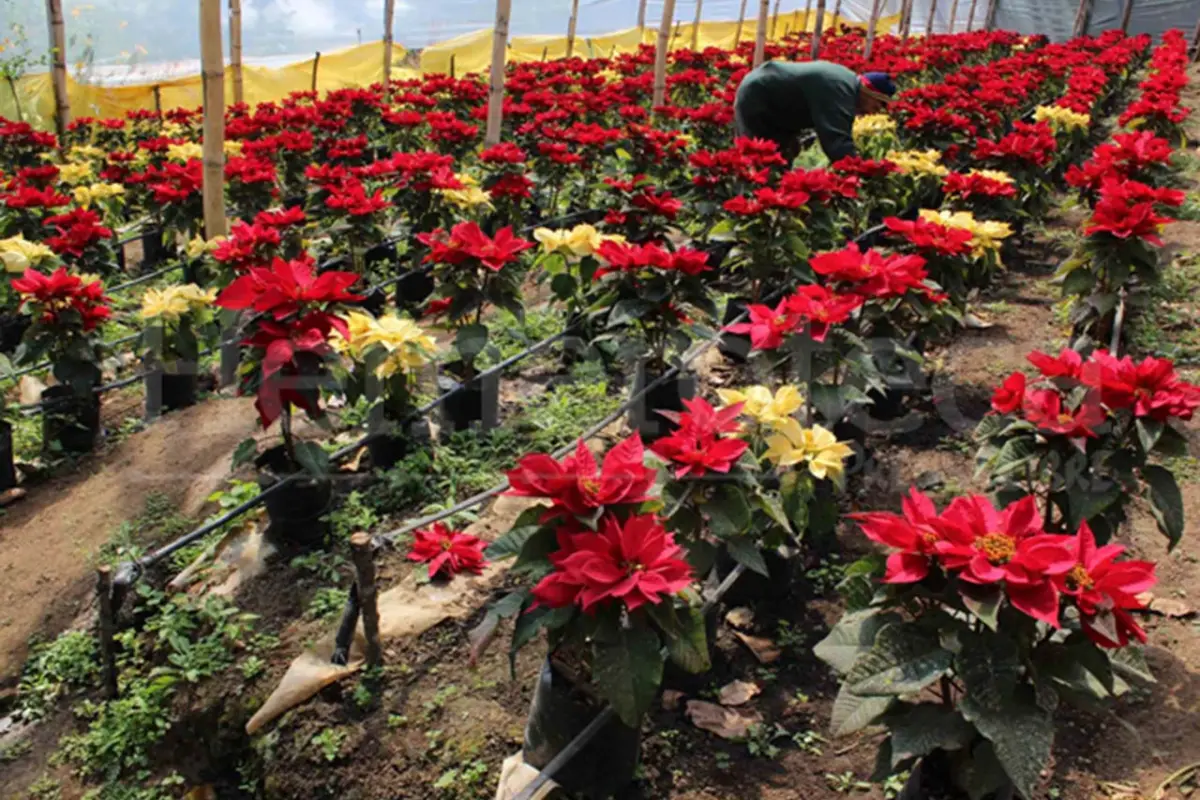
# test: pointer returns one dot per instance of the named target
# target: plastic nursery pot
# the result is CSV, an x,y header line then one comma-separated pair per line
x,y
154,252
666,396
12,328
752,587
413,289
932,779
71,420
381,255
734,346
296,510
8,468
391,444
374,302
473,403
166,391
560,711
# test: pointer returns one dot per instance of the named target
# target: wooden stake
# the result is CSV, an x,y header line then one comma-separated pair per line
x,y
775,19
642,15
971,15
836,23
737,37
389,19
929,21
1126,15
235,49
953,16
816,37
106,630
364,568
571,23
158,99
660,54
695,24
545,52
12,87
872,24
990,19
906,14
316,64
213,76
495,115
1081,17
1196,44
760,37
452,55
58,68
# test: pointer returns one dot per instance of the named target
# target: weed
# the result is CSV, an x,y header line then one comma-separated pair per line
x,y
69,662
789,637
826,577
435,703
1166,325
433,741
396,721
466,781
808,741
723,760
760,740
327,603
227,499
328,743
159,520
894,785
322,565
16,750
352,516
252,667
845,783
44,788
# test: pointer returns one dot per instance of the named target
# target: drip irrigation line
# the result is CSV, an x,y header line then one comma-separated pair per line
x,y
138,281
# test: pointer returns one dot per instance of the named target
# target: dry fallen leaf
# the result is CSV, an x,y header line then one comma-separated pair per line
x,y
740,617
764,649
737,693
1171,608
671,699
727,723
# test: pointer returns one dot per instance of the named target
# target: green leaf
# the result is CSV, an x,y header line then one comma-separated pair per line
x,y
510,544
245,453
989,668
852,713
563,285
470,340
1130,663
918,730
1172,443
1166,503
627,667
313,458
1148,431
853,636
687,645
903,660
744,550
535,552
1013,455
773,508
982,601
1078,282
728,512
982,775
1021,733
627,311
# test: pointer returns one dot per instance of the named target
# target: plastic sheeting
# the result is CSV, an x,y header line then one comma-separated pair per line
x,y
1056,18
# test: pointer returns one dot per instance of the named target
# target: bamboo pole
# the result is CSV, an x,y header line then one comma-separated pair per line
x,y
12,87
1126,15
775,19
642,15
872,24
235,49
571,25
58,68
737,37
929,20
364,568
660,54
816,37
106,629
213,76
452,57
1081,17
760,37
990,20
836,22
695,24
906,15
495,115
953,16
158,99
389,19
971,15
807,16
1196,44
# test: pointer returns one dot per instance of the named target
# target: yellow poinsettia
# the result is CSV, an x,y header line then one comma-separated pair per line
x,y
184,152
172,130
986,235
174,302
997,175
762,406
74,172
17,254
918,162
86,195
407,344
198,246
873,125
83,152
582,240
467,198
232,147
1062,119
816,447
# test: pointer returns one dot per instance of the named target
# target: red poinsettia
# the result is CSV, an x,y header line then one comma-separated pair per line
x,y
281,218
1150,387
932,236
634,563
49,297
1067,365
821,308
467,240
447,552
1008,545
1010,395
286,346
351,196
31,197
697,446
77,231
913,536
873,274
969,184
1116,216
768,327
1045,409
626,257
288,287
577,485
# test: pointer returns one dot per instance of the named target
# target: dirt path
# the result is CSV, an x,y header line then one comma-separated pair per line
x,y
46,543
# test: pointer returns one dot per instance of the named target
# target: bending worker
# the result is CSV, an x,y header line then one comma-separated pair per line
x,y
780,100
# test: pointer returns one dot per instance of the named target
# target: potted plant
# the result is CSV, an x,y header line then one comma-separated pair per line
x,y
473,272
569,261
66,311
178,318
17,255
287,363
964,645
385,355
613,592
646,293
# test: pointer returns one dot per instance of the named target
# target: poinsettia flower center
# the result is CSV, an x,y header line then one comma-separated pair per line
x,y
1065,419
632,567
999,548
447,544
589,485
1079,579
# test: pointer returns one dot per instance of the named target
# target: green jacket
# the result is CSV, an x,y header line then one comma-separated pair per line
x,y
780,100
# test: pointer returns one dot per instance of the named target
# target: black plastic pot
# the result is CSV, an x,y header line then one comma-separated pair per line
x,y
381,255
473,403
154,252
12,329
666,396
297,510
70,419
169,392
391,444
932,779
605,767
413,290
8,468
734,346
374,302
751,587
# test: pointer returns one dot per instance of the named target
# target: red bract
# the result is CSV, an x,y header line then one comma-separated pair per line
x,y
505,153
821,309
625,257
991,546
1045,409
1066,365
697,447
352,198
250,170
635,563
914,536
576,485
446,551
178,183
1010,395
1028,143
52,295
872,274
865,167
32,197
768,326
1151,387
283,382
661,203
966,185
1100,585
284,218
931,236
248,245
288,287
1116,216
77,231
820,184
468,241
